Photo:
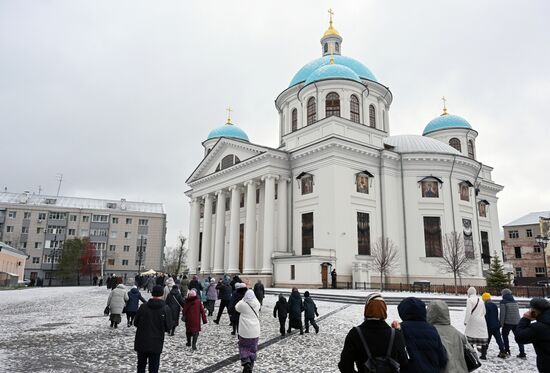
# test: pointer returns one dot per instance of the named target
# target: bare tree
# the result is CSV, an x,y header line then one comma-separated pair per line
x,y
175,258
454,257
384,258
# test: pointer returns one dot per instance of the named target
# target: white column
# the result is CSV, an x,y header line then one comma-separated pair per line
x,y
232,262
250,228
194,235
282,214
206,266
220,232
269,212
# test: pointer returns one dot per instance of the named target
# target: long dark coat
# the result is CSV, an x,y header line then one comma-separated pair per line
x,y
295,306
235,298
174,300
134,296
193,311
152,321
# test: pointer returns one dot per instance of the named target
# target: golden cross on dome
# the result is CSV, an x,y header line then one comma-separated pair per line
x,y
331,12
444,105
229,110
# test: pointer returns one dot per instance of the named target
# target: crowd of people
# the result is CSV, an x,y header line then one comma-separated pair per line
x,y
423,341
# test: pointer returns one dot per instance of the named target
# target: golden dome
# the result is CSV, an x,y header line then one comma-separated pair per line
x,y
331,30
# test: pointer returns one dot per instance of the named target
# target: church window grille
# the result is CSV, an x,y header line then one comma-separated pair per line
x,y
294,120
455,143
372,116
354,109
432,236
307,233
311,111
332,105
471,149
363,234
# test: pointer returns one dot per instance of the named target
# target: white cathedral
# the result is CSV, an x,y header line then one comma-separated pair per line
x,y
338,185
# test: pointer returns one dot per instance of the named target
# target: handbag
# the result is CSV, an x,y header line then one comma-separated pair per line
x,y
106,311
472,361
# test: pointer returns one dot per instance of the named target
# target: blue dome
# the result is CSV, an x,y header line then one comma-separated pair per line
x,y
332,71
446,121
303,74
228,130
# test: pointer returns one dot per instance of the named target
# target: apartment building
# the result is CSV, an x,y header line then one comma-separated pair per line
x,y
121,231
521,248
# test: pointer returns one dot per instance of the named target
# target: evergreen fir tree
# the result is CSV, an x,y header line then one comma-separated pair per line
x,y
496,277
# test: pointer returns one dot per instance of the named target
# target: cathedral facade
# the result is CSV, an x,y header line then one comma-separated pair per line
x,y
339,188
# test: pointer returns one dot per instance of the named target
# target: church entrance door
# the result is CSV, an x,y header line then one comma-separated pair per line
x,y
324,275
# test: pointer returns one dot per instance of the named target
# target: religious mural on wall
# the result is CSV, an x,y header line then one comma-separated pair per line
x,y
362,182
307,184
430,189
464,192
482,209
468,238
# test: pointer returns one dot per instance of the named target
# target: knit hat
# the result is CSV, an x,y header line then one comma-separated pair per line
x,y
240,285
375,307
157,291
306,293
540,304
249,295
506,291
191,293
486,297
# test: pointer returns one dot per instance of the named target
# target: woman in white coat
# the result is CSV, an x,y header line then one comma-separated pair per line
x,y
249,329
474,319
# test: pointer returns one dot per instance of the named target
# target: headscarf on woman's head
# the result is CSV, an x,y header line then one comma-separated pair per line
x,y
249,295
472,291
191,293
375,307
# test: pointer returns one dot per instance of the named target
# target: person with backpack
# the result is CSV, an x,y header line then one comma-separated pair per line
x,y
249,329
509,319
493,327
537,333
310,311
281,309
454,341
426,351
373,346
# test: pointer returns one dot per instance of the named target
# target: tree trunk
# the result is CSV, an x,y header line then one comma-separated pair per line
x,y
381,283
456,289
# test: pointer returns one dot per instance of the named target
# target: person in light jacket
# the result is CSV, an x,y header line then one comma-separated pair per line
x,y
454,341
509,319
249,329
211,296
116,302
474,319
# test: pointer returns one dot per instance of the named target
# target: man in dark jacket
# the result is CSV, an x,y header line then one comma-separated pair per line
x,y
152,321
224,294
377,335
281,310
259,292
509,319
195,284
295,309
493,327
236,279
310,311
537,333
427,353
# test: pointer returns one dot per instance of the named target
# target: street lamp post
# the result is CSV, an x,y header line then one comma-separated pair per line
x,y
543,242
53,254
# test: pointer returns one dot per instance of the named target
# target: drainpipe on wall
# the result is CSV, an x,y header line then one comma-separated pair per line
x,y
382,225
404,218
452,198
477,217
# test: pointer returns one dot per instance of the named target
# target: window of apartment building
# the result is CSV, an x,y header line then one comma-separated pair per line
x,y
9,243
99,232
363,234
24,229
128,220
84,233
513,234
39,230
9,228
111,262
52,229
517,252
432,236
539,272
38,245
536,249
114,234
72,217
114,220
518,272
12,214
85,218
124,262
100,218
99,245
72,232
41,216
145,221
529,232
35,260
26,215
485,249
112,247
127,234
126,247
57,216
24,245
307,233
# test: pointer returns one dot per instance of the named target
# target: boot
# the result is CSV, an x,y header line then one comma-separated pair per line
x,y
522,356
247,365
194,343
173,331
484,352
316,330
502,355
302,331
188,340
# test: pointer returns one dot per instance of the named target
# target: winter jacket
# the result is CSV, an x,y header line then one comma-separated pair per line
x,y
259,291
426,351
491,315
509,310
281,308
205,285
237,295
134,296
295,306
377,336
152,321
117,299
169,285
193,311
249,323
224,291
195,284
454,341
474,317
211,292
184,286
537,333
174,301
310,309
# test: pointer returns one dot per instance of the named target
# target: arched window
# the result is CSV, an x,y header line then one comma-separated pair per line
x,y
455,143
311,111
325,48
354,109
294,120
337,47
372,116
471,149
228,161
332,105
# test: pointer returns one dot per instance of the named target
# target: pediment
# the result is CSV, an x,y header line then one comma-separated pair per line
x,y
224,147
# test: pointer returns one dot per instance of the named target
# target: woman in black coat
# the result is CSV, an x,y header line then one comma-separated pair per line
x,y
175,302
281,309
238,294
295,309
134,296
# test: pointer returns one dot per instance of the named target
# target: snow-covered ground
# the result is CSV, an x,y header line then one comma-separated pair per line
x,y
64,330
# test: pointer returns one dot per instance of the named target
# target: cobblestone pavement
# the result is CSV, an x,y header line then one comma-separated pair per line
x,y
63,330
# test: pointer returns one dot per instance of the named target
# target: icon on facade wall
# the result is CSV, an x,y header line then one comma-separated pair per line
x,y
430,189
362,182
464,192
482,209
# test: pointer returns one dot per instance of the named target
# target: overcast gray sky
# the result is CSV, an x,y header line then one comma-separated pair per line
x,y
119,95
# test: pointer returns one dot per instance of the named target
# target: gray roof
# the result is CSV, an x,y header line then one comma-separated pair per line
x,y
418,144
529,219
7,247
122,205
